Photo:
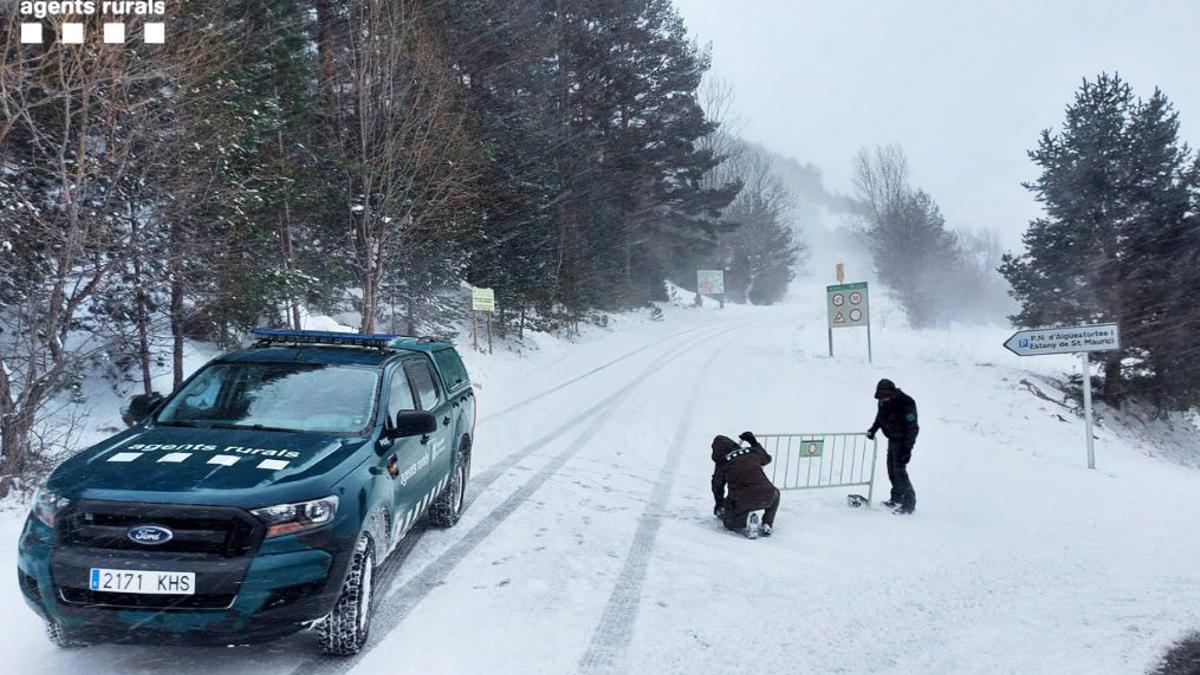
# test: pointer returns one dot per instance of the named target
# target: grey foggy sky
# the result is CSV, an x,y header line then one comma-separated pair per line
x,y
965,86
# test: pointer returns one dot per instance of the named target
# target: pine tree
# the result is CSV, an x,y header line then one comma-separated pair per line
x,y
1119,191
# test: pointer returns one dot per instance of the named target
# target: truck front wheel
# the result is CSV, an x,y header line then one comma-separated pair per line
x,y
345,630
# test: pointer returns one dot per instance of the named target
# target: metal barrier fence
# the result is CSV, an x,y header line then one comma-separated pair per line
x,y
810,461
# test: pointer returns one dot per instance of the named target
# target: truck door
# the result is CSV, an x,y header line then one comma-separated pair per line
x,y
407,463
431,398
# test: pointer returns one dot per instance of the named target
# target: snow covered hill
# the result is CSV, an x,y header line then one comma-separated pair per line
x,y
590,545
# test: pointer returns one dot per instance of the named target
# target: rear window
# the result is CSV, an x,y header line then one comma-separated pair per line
x,y
454,373
421,377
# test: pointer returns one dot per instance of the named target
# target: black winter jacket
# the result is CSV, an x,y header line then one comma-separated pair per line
x,y
897,417
741,470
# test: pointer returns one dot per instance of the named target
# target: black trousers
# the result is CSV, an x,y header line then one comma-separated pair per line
x,y
737,510
898,455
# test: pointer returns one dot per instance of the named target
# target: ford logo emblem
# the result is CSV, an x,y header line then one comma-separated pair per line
x,y
149,535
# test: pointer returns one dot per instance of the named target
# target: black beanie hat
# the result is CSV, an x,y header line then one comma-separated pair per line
x,y
885,388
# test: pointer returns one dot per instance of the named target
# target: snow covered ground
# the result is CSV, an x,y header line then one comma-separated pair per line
x,y
590,545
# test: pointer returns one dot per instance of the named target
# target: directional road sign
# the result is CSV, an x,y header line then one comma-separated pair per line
x,y
1100,337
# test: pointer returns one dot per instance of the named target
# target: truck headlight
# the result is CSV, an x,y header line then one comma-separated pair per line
x,y
298,517
47,504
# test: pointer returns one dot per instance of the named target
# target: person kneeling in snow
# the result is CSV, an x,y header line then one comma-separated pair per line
x,y
740,468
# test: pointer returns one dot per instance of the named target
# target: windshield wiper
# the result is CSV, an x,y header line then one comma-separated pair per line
x,y
181,423
256,427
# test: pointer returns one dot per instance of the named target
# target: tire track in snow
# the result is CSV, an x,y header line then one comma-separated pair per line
x,y
482,481
397,605
610,641
584,375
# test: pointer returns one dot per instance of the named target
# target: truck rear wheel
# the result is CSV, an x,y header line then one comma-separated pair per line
x,y
448,507
345,630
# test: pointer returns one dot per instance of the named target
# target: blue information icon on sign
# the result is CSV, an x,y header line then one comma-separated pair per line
x,y
1023,344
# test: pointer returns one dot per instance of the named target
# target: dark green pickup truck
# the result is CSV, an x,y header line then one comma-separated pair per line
x,y
258,498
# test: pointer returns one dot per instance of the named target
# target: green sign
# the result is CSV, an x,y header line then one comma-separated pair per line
x,y
812,447
848,305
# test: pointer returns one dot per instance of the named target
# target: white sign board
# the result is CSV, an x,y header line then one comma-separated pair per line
x,y
1100,337
710,282
483,299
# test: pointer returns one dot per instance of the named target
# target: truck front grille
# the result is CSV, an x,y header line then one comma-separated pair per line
x,y
81,596
206,530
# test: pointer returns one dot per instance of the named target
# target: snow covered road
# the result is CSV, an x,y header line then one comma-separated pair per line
x,y
589,545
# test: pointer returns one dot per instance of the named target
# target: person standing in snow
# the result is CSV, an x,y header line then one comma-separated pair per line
x,y
739,469
897,417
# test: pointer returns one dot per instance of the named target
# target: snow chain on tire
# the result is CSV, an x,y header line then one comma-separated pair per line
x,y
448,506
345,630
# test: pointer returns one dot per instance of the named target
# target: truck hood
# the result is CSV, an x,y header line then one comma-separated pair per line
x,y
197,460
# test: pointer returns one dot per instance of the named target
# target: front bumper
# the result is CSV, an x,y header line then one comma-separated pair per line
x,y
266,594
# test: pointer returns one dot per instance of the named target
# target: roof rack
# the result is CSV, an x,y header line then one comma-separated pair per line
x,y
273,336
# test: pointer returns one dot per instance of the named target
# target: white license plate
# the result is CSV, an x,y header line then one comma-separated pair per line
x,y
143,581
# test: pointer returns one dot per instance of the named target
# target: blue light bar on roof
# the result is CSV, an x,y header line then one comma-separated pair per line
x,y
324,337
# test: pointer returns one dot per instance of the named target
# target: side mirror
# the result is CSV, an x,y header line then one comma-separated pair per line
x,y
140,407
413,423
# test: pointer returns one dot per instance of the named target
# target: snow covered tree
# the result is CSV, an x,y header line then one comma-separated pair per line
x,y
87,145
397,137
914,253
759,251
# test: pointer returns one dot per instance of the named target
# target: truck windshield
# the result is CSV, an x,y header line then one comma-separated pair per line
x,y
281,396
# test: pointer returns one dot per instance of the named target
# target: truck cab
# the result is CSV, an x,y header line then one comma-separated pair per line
x,y
258,498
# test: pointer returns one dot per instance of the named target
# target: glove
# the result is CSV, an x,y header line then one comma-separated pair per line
x,y
870,434
749,438
719,511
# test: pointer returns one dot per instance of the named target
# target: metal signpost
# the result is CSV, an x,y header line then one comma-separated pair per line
x,y
711,282
848,306
482,300
1101,337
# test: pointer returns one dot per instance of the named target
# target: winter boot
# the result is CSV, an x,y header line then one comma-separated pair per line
x,y
766,530
891,504
754,524
904,510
